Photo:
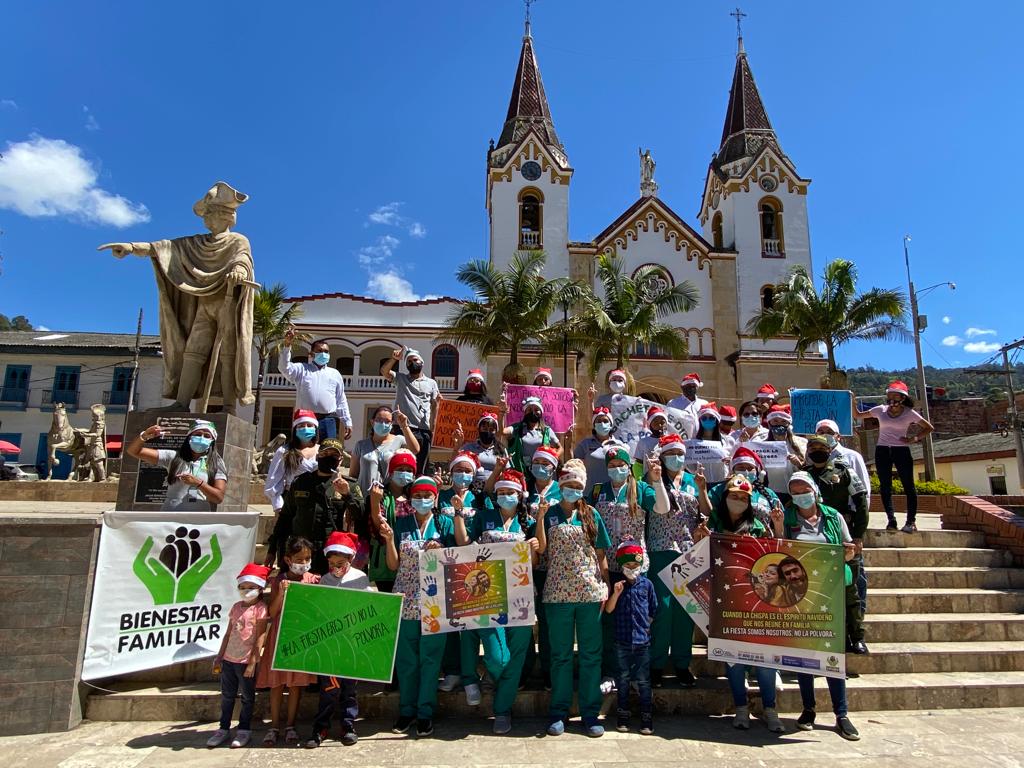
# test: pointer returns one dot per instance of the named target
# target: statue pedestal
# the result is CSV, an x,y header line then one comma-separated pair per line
x,y
142,488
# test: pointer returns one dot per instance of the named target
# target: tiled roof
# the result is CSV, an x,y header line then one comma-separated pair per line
x,y
968,445
747,127
96,343
528,106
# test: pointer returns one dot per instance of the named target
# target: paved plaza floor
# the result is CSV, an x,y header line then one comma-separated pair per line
x,y
933,739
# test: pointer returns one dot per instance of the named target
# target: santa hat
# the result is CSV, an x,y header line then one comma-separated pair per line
x,y
618,373
487,416
767,392
475,374
739,483
542,372
304,417
671,443
200,424
423,483
344,543
546,453
629,552
410,353
827,423
618,452
744,455
692,378
511,480
709,409
533,400
779,414
898,388
253,573
727,414
600,411
401,458
464,457
653,412
574,470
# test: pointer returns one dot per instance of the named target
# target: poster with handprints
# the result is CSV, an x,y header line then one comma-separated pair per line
x,y
477,586
687,578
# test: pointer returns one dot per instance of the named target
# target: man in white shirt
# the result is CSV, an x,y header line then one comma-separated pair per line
x,y
688,401
318,387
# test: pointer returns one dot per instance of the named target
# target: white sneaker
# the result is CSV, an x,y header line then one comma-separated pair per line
x,y
473,694
241,738
219,737
771,719
608,685
449,683
778,682
741,719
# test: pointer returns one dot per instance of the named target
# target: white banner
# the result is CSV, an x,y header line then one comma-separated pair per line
x,y
476,586
629,420
164,588
774,454
681,577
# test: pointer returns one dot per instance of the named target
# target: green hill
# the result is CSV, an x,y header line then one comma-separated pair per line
x,y
956,381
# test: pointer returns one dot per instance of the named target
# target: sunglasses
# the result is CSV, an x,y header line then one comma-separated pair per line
x,y
895,402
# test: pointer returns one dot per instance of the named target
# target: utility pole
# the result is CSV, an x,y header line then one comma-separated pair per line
x,y
132,381
926,444
1015,425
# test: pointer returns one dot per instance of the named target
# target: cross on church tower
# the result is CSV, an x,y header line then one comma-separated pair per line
x,y
737,14
528,3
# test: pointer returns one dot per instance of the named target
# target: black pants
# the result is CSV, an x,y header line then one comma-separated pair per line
x,y
899,456
336,693
854,612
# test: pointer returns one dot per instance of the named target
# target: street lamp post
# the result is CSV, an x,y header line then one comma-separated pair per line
x,y
929,454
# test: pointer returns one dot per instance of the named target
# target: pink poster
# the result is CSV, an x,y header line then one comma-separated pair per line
x,y
557,401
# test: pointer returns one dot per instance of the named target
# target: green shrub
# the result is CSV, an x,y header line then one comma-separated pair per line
x,y
924,487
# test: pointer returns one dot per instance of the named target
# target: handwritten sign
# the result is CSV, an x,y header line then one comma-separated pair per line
x,y
629,420
774,454
557,402
340,632
451,413
812,405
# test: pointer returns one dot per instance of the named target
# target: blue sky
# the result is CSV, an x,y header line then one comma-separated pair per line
x,y
361,129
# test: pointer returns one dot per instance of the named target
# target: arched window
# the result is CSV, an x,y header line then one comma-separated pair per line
x,y
531,219
716,230
768,297
444,363
772,244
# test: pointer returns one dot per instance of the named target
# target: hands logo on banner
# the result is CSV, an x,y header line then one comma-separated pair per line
x,y
181,570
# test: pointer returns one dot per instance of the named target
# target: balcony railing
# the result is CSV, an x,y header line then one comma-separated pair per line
x,y
11,397
771,248
116,398
529,241
67,396
355,383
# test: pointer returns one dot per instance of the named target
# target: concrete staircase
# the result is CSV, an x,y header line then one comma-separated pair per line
x,y
945,626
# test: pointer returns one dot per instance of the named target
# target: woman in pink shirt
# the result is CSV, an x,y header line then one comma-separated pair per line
x,y
899,425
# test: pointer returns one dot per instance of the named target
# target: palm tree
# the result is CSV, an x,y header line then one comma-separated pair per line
x,y
631,313
511,307
832,316
270,321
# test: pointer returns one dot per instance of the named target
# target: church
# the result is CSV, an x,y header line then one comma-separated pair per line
x,y
753,229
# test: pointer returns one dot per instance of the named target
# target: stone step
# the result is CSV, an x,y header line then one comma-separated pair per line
x,y
923,538
944,577
943,627
936,690
922,557
945,600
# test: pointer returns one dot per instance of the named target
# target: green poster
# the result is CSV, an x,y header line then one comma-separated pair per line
x,y
351,633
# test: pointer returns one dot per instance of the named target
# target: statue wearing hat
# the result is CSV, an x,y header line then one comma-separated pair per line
x,y
206,289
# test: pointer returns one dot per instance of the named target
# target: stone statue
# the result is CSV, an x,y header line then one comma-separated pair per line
x,y
87,447
206,290
261,458
92,465
648,186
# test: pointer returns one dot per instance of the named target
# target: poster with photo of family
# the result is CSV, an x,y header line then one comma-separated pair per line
x,y
480,585
778,603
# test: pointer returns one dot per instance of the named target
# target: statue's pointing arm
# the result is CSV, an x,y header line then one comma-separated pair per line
x,y
120,250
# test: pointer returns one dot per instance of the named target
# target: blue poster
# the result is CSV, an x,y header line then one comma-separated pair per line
x,y
812,405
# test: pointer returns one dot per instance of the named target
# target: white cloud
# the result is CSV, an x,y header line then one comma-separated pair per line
x,y
41,328
946,319
372,255
981,347
49,177
951,341
91,124
10,104
972,332
391,286
388,215
417,230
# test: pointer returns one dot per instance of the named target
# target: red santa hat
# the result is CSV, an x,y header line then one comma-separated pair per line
x,y
709,409
780,414
692,378
475,374
423,483
629,552
898,388
487,416
464,457
548,454
672,442
600,411
744,455
618,373
767,392
304,417
542,372
653,412
727,414
341,542
253,573
402,458
511,480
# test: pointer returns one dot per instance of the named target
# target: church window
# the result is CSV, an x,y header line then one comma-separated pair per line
x,y
444,362
768,297
531,219
716,230
772,245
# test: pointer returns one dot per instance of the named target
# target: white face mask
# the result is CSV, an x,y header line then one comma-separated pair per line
x,y
630,573
736,506
617,386
298,568
249,595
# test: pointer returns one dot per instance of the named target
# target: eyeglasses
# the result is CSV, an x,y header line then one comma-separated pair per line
x,y
895,402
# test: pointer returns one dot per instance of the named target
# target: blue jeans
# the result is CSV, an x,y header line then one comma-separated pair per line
x,y
232,683
836,690
737,674
634,667
328,425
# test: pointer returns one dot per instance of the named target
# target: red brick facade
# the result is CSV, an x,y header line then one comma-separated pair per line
x,y
1003,529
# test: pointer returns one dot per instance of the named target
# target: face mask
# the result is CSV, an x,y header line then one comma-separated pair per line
x,y
804,500
423,505
531,418
486,438
541,471
751,475
831,440
657,431
381,428
818,457
298,568
618,474
751,421
402,478
462,479
617,386
708,423
340,571
305,434
327,463
778,430
415,368
322,358
603,428
630,573
508,500
249,595
572,495
199,444
475,387
674,462
736,506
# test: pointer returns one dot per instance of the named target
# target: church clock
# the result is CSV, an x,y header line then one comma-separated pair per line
x,y
531,170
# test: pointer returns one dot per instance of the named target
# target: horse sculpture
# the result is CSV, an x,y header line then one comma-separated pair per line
x,y
87,447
